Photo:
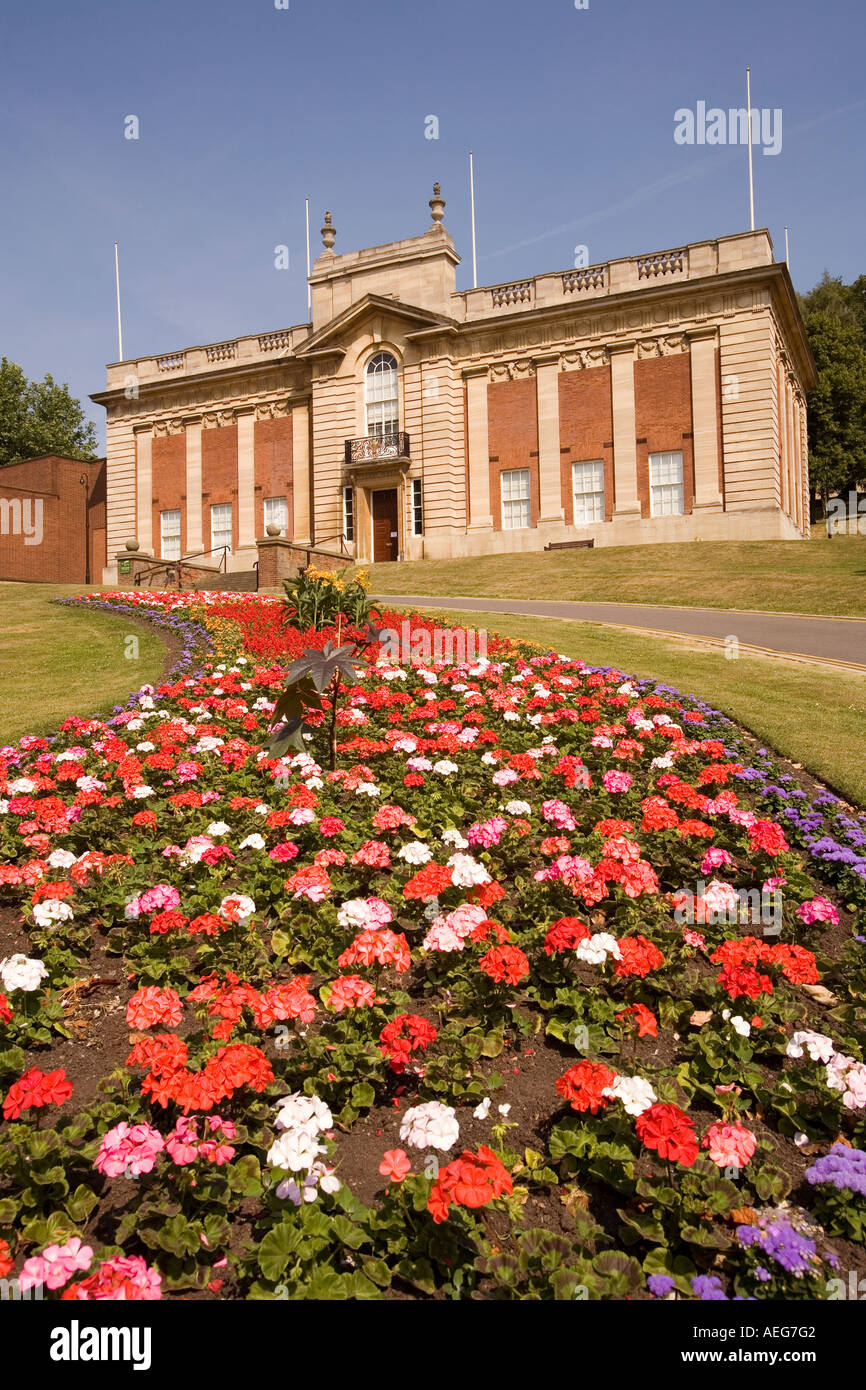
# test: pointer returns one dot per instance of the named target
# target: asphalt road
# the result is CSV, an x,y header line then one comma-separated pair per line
x,y
824,639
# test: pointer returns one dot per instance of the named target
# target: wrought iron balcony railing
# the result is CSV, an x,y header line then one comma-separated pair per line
x,y
374,447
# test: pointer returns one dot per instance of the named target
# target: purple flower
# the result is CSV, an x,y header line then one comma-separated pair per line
x,y
660,1285
708,1288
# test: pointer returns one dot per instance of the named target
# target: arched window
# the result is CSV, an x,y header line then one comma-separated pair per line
x,y
381,395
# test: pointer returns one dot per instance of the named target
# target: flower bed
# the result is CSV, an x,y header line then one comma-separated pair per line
x,y
551,990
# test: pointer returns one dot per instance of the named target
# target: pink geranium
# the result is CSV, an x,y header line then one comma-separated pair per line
x,y
818,910
132,1148
730,1146
617,781
56,1265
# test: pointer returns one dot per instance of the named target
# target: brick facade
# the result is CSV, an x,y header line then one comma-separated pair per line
x,y
69,545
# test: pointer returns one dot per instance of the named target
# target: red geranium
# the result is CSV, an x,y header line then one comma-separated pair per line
x,y
583,1084
35,1089
404,1035
506,963
670,1132
566,934
472,1180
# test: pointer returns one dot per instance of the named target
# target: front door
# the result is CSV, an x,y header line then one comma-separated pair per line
x,y
385,537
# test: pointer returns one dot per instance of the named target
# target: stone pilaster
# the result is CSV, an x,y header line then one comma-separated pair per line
x,y
194,537
301,472
144,487
246,477
480,518
705,406
626,502
549,475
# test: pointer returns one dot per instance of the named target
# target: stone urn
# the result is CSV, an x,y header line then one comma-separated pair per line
x,y
132,546
273,529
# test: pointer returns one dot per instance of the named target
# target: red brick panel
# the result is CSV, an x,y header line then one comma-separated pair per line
x,y
273,468
168,464
512,431
663,418
219,477
50,485
585,430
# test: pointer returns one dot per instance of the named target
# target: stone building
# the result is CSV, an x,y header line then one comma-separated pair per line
x,y
659,397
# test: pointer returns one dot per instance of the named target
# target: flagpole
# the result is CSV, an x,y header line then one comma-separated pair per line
x,y
309,287
751,177
472,203
117,287
787,257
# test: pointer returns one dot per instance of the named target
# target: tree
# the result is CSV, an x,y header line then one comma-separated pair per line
x,y
40,417
835,318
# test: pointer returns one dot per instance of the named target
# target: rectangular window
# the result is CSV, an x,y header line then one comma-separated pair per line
x,y
666,483
221,526
276,514
348,513
169,535
417,508
588,486
514,483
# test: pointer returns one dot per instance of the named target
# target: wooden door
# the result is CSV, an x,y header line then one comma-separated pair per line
x,y
385,527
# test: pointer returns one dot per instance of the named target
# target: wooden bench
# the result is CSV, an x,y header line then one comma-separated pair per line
x,y
571,545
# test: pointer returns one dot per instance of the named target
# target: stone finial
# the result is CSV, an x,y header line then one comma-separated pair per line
x,y
437,204
329,233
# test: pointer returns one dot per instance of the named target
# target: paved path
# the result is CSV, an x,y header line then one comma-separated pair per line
x,y
836,641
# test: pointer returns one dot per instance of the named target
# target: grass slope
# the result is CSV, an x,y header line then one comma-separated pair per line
x,y
56,661
819,576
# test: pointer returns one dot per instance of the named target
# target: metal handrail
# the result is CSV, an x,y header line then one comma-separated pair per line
x,y
176,567
324,541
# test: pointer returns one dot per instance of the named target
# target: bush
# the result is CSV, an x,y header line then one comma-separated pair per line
x,y
316,597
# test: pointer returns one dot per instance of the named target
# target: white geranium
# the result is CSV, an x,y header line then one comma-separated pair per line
x,y
455,838
518,808
303,1112
51,910
61,858
819,1047
636,1094
445,767
466,871
252,842
295,1150
595,949
430,1126
22,972
416,852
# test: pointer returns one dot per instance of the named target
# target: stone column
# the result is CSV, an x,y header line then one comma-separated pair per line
x,y
194,539
301,471
480,518
705,406
550,511
144,487
627,503
245,417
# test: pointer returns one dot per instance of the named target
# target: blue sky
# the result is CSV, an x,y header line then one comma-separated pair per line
x,y
244,109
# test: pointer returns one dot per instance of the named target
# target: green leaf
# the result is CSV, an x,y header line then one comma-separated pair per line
x,y
276,1248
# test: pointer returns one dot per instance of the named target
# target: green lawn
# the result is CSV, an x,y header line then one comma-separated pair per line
x,y
56,661
813,716
817,576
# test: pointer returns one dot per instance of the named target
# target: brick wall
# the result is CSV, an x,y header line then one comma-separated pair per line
x,y
68,523
663,419
273,467
169,484
219,477
585,430
512,431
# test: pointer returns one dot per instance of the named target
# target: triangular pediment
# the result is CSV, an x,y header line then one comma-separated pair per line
x,y
331,338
